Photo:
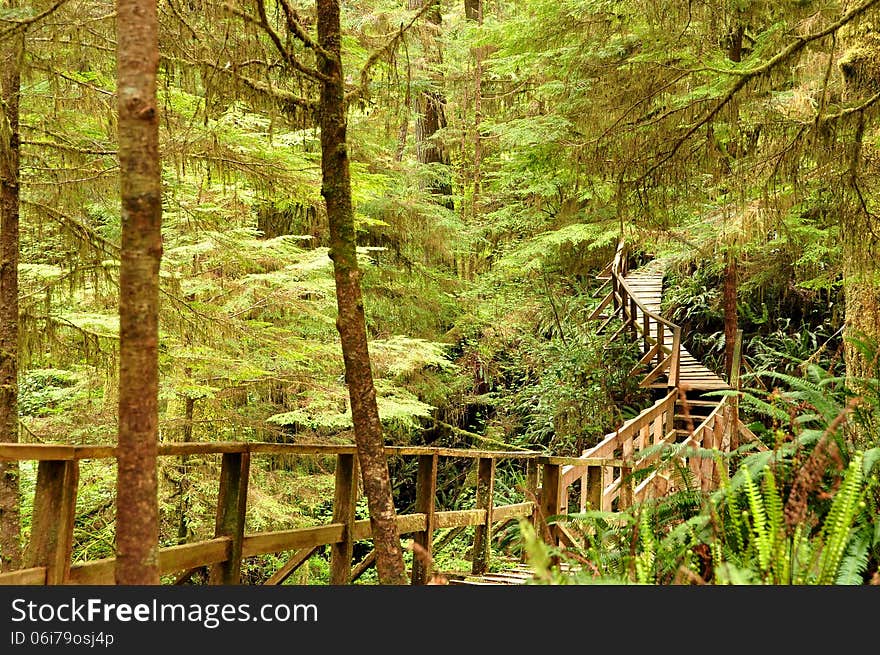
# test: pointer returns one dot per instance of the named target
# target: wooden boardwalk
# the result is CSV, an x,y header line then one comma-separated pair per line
x,y
601,478
646,285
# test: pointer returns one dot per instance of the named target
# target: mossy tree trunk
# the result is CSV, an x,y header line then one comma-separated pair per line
x,y
429,105
860,67
137,510
10,76
336,190
473,10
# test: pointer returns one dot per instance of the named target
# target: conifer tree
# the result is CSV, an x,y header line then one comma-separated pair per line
x,y
11,52
137,505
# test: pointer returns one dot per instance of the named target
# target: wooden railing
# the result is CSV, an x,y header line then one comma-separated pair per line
x,y
650,429
660,338
643,447
47,558
641,442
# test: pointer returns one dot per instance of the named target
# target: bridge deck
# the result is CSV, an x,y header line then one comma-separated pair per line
x,y
647,284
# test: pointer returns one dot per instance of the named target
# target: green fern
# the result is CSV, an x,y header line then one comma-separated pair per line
x,y
855,561
760,527
836,529
645,560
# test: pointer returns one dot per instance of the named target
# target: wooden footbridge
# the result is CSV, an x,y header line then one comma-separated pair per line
x,y
602,478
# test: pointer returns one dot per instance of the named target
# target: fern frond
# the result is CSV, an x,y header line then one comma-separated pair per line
x,y
760,528
645,560
855,562
836,530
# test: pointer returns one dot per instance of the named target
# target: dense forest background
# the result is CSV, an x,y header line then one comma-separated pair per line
x,y
499,151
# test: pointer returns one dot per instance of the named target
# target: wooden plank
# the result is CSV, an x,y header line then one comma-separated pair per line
x,y
614,439
582,495
171,560
468,453
260,543
32,576
655,372
647,357
301,449
676,356
231,510
604,324
53,452
96,572
596,312
550,497
364,565
580,461
406,524
299,558
485,500
531,492
460,518
594,487
748,435
51,542
607,485
515,511
344,501
199,553
644,438
625,492
203,448
626,324
426,492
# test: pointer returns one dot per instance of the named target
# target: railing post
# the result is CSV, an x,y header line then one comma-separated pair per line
x,y
51,541
344,502
722,422
582,501
615,293
676,357
661,337
483,533
633,316
231,511
607,476
594,487
625,493
533,494
646,330
550,494
733,423
426,491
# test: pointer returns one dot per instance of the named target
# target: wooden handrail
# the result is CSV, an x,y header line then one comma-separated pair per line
x,y
68,452
604,471
50,561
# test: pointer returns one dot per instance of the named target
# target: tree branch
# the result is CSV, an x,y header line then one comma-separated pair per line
x,y
24,23
361,90
292,61
295,25
851,110
745,76
287,99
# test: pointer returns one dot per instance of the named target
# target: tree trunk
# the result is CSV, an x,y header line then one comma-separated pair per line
x,y
336,189
861,269
137,510
861,272
731,320
10,74
473,10
429,106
